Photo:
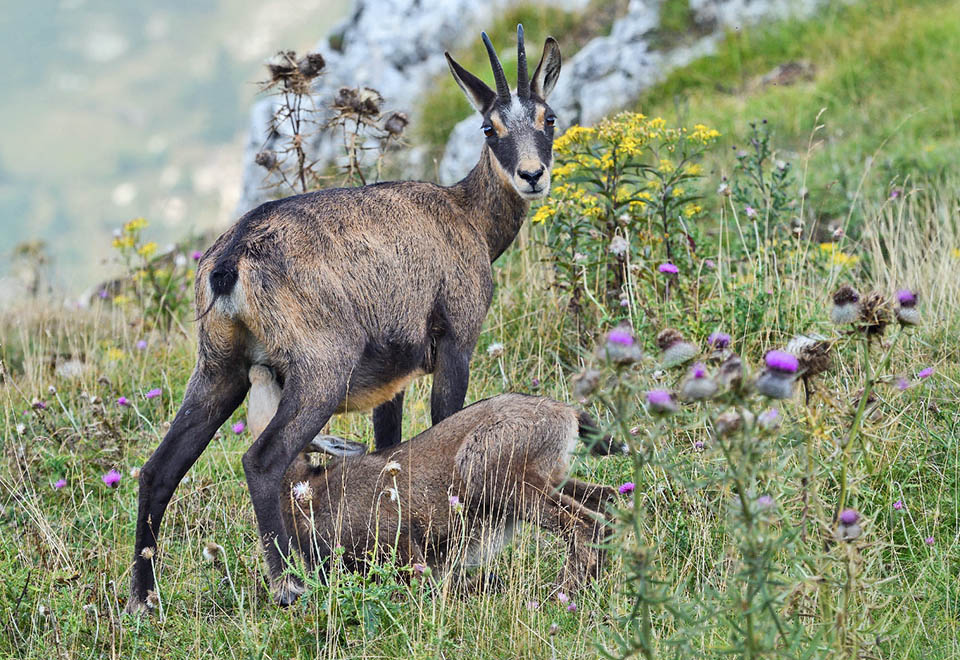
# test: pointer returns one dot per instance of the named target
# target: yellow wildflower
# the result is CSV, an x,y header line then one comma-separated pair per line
x,y
543,213
678,191
665,166
694,169
692,209
703,134
125,241
955,253
147,249
121,299
828,248
843,259
115,354
135,225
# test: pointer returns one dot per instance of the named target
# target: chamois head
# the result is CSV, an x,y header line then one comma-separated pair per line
x,y
518,126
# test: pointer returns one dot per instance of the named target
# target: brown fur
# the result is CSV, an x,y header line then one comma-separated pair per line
x,y
347,294
507,459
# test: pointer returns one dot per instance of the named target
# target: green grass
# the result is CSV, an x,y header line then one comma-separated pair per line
x,y
878,78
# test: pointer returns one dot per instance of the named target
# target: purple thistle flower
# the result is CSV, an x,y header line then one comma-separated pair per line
x,y
929,540
238,427
141,345
719,340
698,371
698,445
849,516
103,294
572,607
624,303
669,268
925,373
59,483
619,336
533,605
765,502
197,255
535,383
709,263
39,405
111,478
626,488
660,401
154,393
454,500
907,297
902,384
750,212
782,361
123,401
898,505
563,598
895,193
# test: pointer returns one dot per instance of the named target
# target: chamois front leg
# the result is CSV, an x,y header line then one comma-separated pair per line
x,y
388,422
450,380
305,407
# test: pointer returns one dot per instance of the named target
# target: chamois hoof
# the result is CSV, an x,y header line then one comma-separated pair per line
x,y
137,607
287,590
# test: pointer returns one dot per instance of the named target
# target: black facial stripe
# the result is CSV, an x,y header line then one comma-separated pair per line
x,y
544,147
505,151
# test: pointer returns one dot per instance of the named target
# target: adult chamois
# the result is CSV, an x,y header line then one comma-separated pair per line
x,y
348,294
450,498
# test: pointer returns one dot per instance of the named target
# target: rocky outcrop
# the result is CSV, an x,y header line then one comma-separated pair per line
x,y
396,47
393,46
610,72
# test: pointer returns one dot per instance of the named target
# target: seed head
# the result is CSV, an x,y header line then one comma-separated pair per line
x,y
267,159
619,246
495,349
727,423
392,468
675,350
396,123
302,491
148,553
812,353
311,65
874,314
211,551
846,305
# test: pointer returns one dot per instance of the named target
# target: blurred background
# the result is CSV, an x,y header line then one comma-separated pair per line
x,y
113,109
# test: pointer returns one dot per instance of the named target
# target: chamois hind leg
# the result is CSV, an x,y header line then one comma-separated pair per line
x,y
213,393
565,517
388,422
309,399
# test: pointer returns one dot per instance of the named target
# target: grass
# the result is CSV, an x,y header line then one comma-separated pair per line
x,y
877,74
65,553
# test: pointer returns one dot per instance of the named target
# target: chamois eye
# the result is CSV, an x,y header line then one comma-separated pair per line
x,y
488,131
550,121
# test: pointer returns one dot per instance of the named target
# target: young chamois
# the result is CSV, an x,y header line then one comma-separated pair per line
x,y
348,294
451,497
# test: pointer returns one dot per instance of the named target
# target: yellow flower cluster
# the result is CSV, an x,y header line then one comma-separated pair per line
x,y
147,249
703,134
955,253
838,257
134,225
114,354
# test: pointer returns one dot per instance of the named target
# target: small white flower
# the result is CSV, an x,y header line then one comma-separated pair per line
x,y
392,492
495,349
43,610
21,428
724,189
579,256
302,491
52,390
135,473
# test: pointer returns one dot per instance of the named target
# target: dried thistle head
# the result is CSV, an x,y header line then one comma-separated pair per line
x,y
396,123
812,353
364,102
267,159
674,349
730,374
875,314
311,65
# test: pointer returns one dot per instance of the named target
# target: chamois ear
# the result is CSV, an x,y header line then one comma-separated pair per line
x,y
335,446
480,96
545,77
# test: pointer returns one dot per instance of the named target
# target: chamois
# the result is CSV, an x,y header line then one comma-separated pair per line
x,y
451,497
348,294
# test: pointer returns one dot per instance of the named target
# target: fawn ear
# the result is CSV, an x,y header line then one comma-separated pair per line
x,y
334,446
481,97
545,77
